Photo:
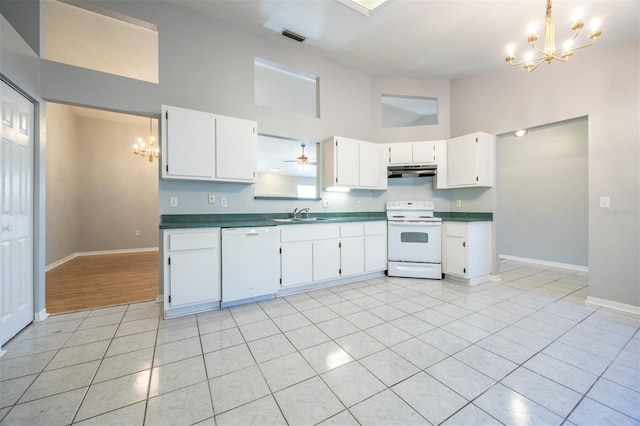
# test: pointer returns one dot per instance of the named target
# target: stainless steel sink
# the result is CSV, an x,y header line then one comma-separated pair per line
x,y
299,219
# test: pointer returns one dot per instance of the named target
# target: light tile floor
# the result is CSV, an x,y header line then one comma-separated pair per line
x,y
527,350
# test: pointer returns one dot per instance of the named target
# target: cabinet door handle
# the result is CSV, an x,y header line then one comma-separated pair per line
x,y
464,244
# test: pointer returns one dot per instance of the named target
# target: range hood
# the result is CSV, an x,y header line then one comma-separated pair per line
x,y
415,170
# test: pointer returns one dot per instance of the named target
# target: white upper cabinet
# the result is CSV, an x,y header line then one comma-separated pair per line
x,y
236,149
369,165
470,161
401,153
407,153
347,162
424,152
354,164
199,145
188,144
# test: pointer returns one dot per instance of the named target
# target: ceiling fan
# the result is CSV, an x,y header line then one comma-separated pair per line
x,y
302,160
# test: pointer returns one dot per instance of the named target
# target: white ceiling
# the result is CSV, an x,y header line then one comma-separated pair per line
x,y
422,38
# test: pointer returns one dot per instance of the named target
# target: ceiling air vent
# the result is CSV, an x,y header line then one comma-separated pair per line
x,y
293,36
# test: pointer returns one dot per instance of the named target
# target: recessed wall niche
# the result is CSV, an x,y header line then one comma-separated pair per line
x,y
408,111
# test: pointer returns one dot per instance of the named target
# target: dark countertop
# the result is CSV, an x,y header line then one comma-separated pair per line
x,y
464,216
179,221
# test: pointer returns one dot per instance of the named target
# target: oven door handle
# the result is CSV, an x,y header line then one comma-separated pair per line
x,y
414,223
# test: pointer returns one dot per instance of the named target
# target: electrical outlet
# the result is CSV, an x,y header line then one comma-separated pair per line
x,y
605,202
212,198
359,204
326,204
137,232
458,203
173,201
223,202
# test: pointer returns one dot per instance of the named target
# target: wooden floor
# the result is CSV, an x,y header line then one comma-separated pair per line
x,y
88,282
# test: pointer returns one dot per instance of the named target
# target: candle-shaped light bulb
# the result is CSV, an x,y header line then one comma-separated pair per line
x,y
568,45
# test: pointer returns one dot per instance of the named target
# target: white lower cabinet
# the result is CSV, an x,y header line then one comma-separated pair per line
x,y
351,249
375,246
325,252
309,254
304,249
191,270
296,263
326,259
467,248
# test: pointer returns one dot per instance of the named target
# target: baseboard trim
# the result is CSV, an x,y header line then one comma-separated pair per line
x,y
96,253
631,309
40,316
545,263
60,262
471,281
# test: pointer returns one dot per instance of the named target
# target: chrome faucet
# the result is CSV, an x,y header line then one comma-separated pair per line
x,y
305,211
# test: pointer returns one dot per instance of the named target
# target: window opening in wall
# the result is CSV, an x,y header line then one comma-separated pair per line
x,y
307,191
83,35
285,88
287,168
408,111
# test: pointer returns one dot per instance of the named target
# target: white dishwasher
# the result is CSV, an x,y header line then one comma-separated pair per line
x,y
250,264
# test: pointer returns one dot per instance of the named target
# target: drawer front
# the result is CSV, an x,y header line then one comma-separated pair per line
x,y
456,229
293,233
375,228
351,230
193,241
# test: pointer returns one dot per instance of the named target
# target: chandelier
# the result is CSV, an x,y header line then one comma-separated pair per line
x,y
550,52
150,149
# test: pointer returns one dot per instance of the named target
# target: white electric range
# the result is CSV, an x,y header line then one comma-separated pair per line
x,y
414,240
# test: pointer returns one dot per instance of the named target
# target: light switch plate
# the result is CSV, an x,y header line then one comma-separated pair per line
x,y
458,203
605,202
212,198
326,204
173,201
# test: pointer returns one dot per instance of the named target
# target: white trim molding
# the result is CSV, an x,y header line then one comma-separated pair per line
x,y
60,262
545,263
40,316
631,309
96,253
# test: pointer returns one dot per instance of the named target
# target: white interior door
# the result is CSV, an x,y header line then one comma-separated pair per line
x,y
16,201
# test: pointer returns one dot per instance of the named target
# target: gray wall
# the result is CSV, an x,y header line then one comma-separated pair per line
x,y
542,202
99,193
62,183
592,84
24,15
117,191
